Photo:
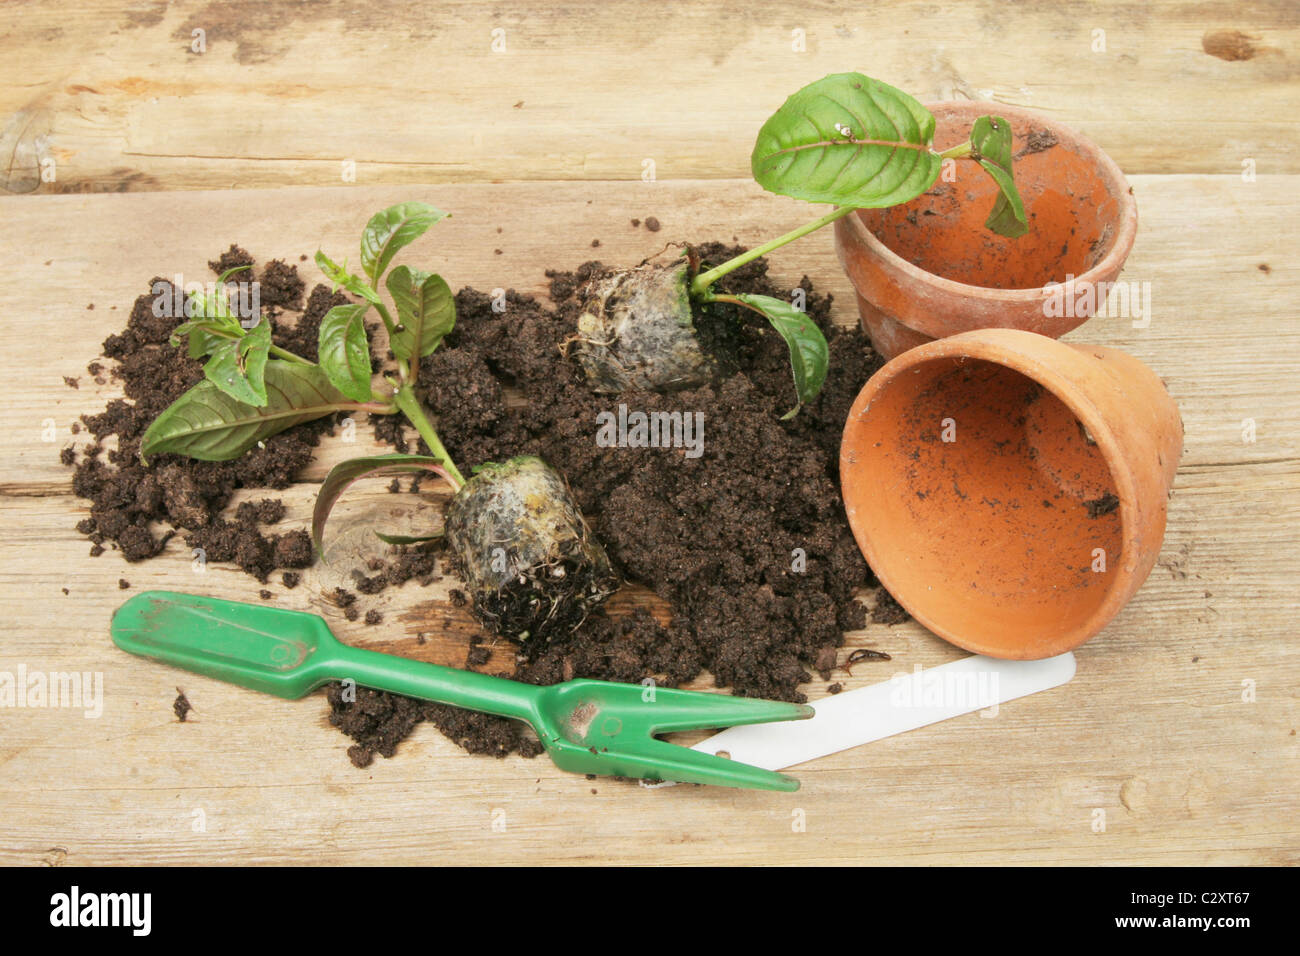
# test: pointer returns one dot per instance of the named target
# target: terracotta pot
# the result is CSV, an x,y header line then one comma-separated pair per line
x,y
1010,490
929,268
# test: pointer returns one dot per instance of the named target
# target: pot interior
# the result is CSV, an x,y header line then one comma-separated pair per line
x,y
990,512
1072,203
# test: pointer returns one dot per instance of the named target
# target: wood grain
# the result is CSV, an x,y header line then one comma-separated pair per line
x,y
1180,727
285,92
1153,731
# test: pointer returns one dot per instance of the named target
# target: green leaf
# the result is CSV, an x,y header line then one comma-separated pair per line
x,y
990,139
340,276
345,351
850,140
212,307
407,538
237,366
209,323
426,311
208,320
208,424
345,473
390,230
1007,217
203,336
809,354
225,276
203,342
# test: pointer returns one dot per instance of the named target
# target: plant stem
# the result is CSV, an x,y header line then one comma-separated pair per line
x,y
732,300
376,408
410,406
700,285
383,314
278,352
289,356
960,151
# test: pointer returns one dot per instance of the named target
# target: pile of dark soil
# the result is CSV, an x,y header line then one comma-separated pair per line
x,y
716,536
129,500
747,543
138,509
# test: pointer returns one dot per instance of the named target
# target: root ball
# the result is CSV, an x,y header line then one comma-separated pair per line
x,y
531,565
636,329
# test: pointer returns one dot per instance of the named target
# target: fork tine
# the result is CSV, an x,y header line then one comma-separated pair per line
x,y
673,710
671,762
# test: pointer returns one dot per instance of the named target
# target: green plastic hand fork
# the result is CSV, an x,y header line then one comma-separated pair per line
x,y
587,726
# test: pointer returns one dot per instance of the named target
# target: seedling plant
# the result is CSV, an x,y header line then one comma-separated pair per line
x,y
845,139
512,529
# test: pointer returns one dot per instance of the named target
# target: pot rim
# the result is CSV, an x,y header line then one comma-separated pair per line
x,y
1111,262
984,345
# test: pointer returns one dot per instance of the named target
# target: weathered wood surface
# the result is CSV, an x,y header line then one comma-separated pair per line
x,y
286,91
1154,730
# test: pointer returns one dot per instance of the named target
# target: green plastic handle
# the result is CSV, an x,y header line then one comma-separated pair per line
x,y
291,653
443,685
587,726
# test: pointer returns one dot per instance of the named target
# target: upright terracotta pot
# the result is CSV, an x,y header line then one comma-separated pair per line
x,y
929,268
1010,490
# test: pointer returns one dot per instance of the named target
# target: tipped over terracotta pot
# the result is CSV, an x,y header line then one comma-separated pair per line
x,y
929,268
1010,490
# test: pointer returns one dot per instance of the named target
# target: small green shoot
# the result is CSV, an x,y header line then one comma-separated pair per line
x,y
253,389
859,143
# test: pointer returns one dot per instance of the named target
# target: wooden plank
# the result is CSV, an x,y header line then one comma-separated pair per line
x,y
1219,330
285,93
1154,731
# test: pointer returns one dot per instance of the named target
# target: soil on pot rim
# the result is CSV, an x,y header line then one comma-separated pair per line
x,y
743,536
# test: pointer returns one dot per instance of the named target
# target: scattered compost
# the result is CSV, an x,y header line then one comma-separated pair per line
x,y
745,541
130,501
181,706
846,139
